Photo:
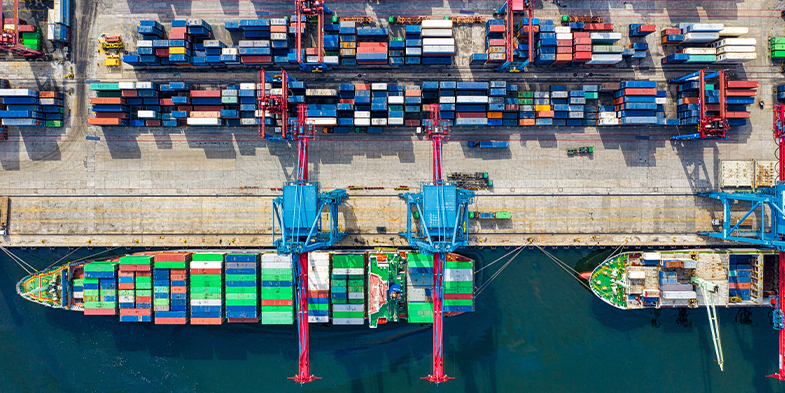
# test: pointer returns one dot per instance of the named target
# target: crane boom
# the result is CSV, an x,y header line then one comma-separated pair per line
x,y
707,290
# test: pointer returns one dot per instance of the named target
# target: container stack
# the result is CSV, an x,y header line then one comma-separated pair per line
x,y
543,111
636,103
151,48
109,107
604,49
564,45
526,107
280,41
781,93
331,46
379,111
59,21
499,97
495,45
419,288
438,46
472,105
522,31
397,50
277,290
413,44
671,36
372,46
136,288
348,42
345,109
100,288
395,106
347,289
458,286
546,44
362,105
52,107
641,30
735,50
739,279
591,94
242,293
561,110
170,284
21,108
777,47
206,288
207,107
318,287
412,106
581,49
738,94
180,44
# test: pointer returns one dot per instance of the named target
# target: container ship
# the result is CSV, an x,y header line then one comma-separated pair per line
x,y
677,278
254,286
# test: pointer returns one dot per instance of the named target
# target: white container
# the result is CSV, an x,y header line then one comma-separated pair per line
x,y
362,122
733,31
438,49
436,33
206,264
347,24
703,27
564,36
206,302
279,22
229,51
736,57
356,295
411,51
377,122
146,85
601,58
735,42
362,115
247,86
395,121
322,121
144,44
275,92
608,122
321,92
126,85
660,100
229,93
249,121
471,100
126,299
18,92
275,258
700,37
438,41
561,29
735,49
458,275
678,295
322,319
203,121
279,36
379,86
700,51
395,100
50,28
436,24
348,307
316,258
312,59
447,100
146,114
605,36
332,60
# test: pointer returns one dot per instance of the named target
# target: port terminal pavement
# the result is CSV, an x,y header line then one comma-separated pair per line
x,y
188,187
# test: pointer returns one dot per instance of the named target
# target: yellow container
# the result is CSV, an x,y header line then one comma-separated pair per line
x,y
112,62
176,50
542,108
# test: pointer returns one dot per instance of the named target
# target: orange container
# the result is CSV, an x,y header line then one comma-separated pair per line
x,y
413,93
104,121
543,114
278,29
494,115
526,122
206,321
178,289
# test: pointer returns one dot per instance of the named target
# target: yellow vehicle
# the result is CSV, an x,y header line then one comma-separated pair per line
x,y
112,61
111,45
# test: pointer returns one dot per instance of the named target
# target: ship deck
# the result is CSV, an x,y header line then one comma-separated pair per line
x,y
83,185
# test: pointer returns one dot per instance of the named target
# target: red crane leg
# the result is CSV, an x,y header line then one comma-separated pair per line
x,y
438,376
781,295
304,373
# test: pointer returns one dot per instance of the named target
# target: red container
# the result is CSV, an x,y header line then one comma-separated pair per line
x,y
318,294
125,285
690,100
581,34
178,36
179,30
510,107
524,31
372,49
455,296
108,100
173,257
144,274
170,321
413,93
177,289
242,320
129,93
25,28
741,84
185,108
647,28
362,86
162,52
526,122
256,59
46,94
310,51
543,114
564,43
470,115
639,92
496,42
737,115
562,59
104,121
134,311
670,32
582,41
495,29
100,311
411,123
583,48
165,101
207,108
279,29
276,302
152,123
206,271
564,49
347,101
740,93
111,115
206,94
206,321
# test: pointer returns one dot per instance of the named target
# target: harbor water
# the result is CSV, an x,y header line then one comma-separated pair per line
x,y
535,329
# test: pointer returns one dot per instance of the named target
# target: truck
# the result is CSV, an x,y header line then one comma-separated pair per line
x,y
489,144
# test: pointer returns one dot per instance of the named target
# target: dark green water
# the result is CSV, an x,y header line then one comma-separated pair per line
x,y
535,330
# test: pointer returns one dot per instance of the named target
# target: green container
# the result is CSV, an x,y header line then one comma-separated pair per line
x,y
278,309
170,265
342,314
207,257
777,47
502,215
161,290
240,296
458,265
139,279
212,281
241,290
458,286
241,302
592,95
777,40
277,293
79,282
90,292
206,296
229,100
778,54
54,123
526,94
144,285
420,312
319,306
104,86
108,292
99,267
458,302
125,292
354,301
278,277
144,292
160,302
701,59
348,261
240,277
277,318
136,260
104,305
276,271
356,283
415,259
204,289
356,289
109,94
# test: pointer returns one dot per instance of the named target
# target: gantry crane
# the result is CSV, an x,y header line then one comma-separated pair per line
x,y
9,40
509,32
273,104
311,8
443,211
773,200
709,127
298,217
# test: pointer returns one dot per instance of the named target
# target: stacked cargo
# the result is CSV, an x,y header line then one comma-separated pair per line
x,y
458,285
151,48
636,103
671,289
641,30
781,93
397,49
438,46
777,45
419,288
526,108
604,49
59,21
109,107
362,105
735,50
671,36
135,288
501,95
564,45
495,44
207,107
395,105
372,46
348,42
30,108
379,111
52,107
180,46
472,104
546,44
255,52
413,44
582,49
739,279
413,106
347,287
345,109
170,287
280,40
690,34
100,288
332,45
277,290
738,94
522,31
318,287
206,288
543,111
448,104
242,294
591,95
